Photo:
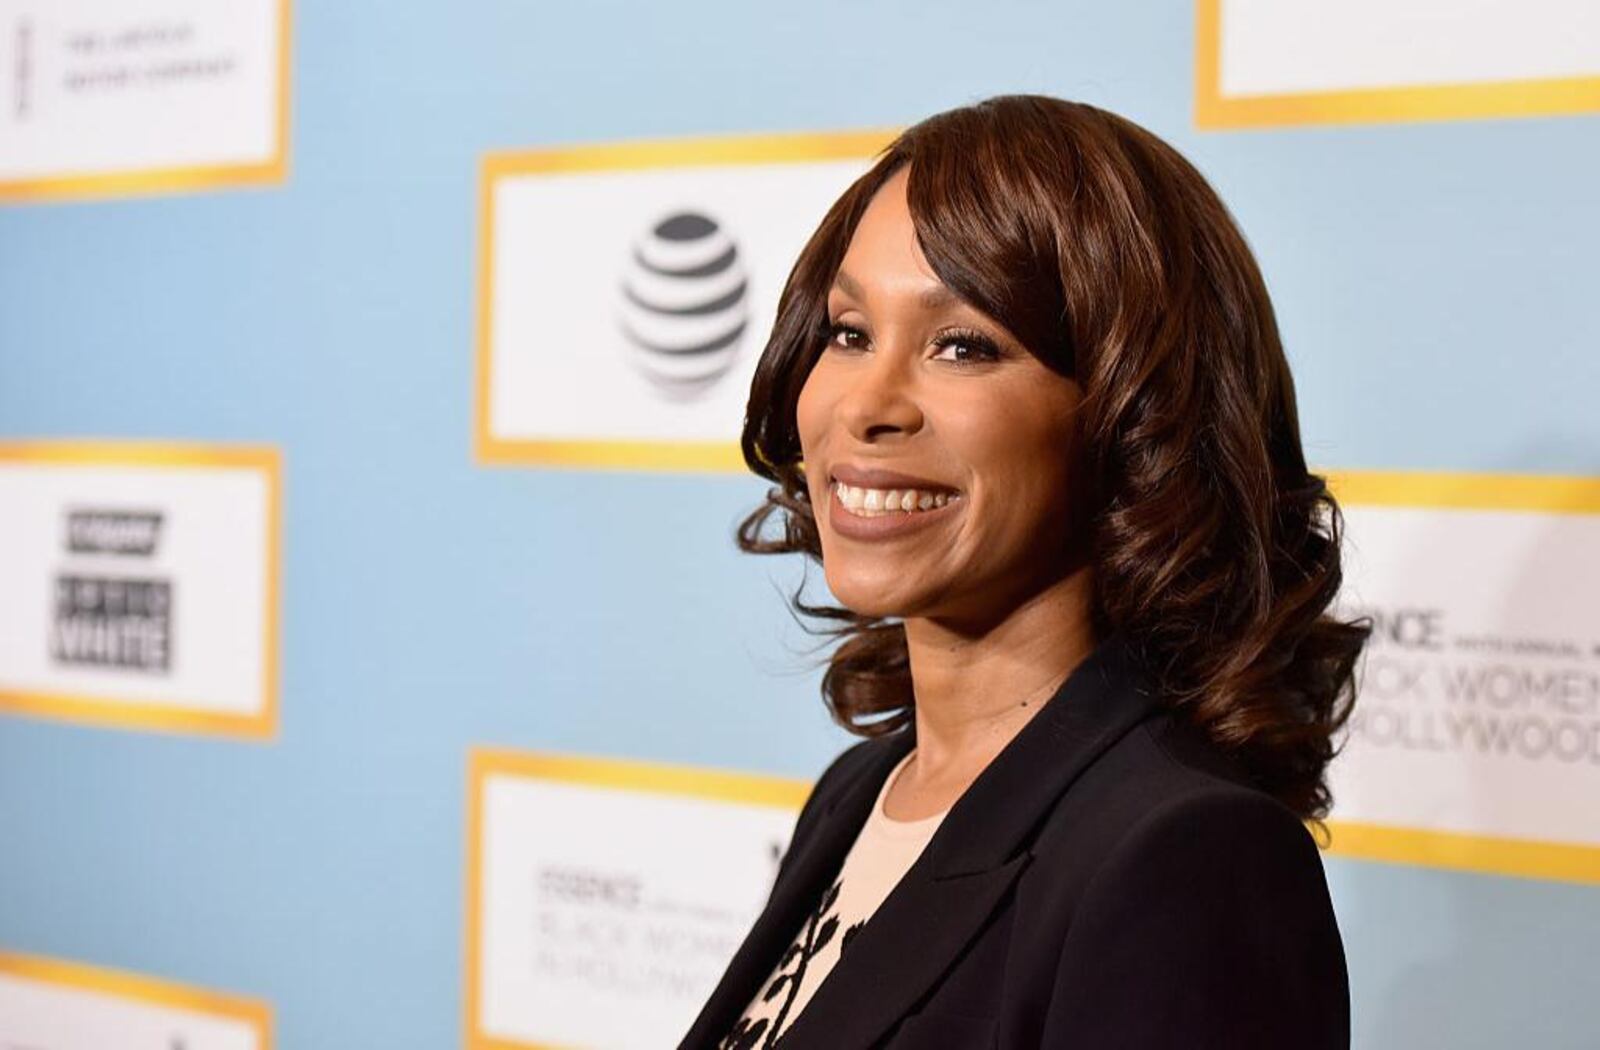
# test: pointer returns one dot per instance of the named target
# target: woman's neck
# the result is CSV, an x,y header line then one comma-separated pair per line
x,y
976,689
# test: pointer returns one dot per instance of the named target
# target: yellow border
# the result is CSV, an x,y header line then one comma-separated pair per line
x,y
631,775
111,184
615,156
1537,493
261,726
1485,854
122,984
1439,490
1504,98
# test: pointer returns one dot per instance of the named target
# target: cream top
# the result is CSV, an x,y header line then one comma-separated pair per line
x,y
882,852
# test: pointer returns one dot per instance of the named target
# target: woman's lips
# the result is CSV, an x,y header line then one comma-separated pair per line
x,y
879,478
890,525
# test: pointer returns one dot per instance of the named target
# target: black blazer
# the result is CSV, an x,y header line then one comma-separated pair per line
x,y
1111,879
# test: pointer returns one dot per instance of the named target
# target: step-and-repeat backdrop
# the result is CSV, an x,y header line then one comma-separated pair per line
x,y
621,292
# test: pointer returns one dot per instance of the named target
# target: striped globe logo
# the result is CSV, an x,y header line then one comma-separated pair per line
x,y
685,304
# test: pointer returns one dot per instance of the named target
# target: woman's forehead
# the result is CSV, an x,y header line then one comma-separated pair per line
x,y
929,293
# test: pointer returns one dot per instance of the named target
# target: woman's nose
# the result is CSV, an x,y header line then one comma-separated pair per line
x,y
881,395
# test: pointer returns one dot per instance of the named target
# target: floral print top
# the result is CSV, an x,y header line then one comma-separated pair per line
x,y
883,850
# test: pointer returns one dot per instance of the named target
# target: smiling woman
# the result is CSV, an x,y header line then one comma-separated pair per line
x,y
1025,402
992,430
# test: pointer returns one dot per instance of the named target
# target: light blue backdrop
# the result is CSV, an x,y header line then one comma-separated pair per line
x,y
1435,286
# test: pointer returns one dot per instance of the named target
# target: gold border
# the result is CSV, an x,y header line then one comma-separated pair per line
x,y
1484,99
143,182
261,726
1495,855
123,984
638,154
1442,490
592,771
1485,854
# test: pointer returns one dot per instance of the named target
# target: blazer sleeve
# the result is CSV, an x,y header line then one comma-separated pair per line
x,y
1210,926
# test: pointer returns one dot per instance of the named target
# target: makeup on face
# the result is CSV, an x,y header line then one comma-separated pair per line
x,y
935,446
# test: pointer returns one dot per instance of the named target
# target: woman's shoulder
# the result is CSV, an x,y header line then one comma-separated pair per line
x,y
1164,785
1165,790
1185,899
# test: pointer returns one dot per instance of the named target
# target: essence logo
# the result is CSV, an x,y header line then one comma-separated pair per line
x,y
1425,686
103,620
685,304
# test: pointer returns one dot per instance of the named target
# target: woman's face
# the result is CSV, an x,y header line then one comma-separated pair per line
x,y
919,392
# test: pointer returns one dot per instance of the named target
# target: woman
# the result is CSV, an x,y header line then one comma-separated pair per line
x,y
1025,401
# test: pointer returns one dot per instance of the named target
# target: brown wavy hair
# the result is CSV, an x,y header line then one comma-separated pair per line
x,y
1214,549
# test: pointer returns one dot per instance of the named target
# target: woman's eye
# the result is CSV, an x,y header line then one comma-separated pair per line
x,y
960,348
965,349
835,331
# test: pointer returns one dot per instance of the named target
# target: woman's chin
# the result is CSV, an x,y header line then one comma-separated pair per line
x,y
867,595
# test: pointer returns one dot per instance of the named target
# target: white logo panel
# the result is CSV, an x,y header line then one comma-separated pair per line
x,y
1285,62
46,1004
118,87
133,580
630,305
1272,47
606,908
1479,710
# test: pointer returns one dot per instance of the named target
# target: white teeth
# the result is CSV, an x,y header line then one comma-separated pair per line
x,y
873,502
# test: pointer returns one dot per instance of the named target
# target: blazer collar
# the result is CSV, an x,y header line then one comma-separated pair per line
x,y
975,855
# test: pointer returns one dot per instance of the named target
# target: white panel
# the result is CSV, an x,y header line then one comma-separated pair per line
x,y
209,548
115,86
562,367
608,915
45,1015
1274,47
1480,703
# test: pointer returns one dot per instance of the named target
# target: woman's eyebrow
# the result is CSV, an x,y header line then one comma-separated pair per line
x,y
932,298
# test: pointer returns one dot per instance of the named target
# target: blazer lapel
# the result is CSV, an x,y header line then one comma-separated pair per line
x,y
974,857
794,895
969,865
